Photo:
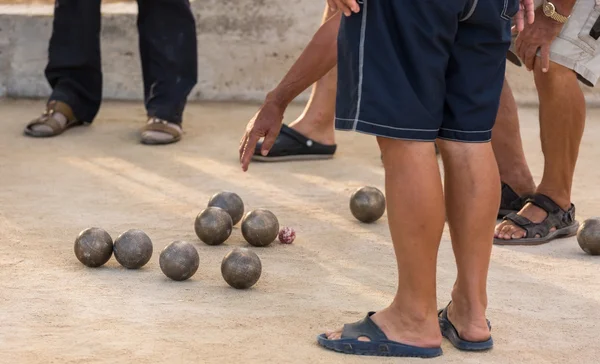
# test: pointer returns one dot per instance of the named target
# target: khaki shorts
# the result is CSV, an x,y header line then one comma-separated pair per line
x,y
575,48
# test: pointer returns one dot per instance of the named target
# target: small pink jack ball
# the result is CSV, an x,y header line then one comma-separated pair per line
x,y
287,235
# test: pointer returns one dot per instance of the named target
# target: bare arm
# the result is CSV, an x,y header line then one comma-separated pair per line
x,y
318,58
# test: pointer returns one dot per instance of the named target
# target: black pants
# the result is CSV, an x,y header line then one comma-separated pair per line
x,y
167,41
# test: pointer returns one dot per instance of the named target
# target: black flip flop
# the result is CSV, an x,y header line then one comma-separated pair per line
x,y
379,344
450,333
290,145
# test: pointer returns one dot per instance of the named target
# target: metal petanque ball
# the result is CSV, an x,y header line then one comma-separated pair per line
x,y
241,268
588,236
93,247
213,225
179,260
367,204
133,249
260,227
230,202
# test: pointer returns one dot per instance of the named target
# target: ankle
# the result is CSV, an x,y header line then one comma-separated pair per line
x,y
561,198
409,327
315,121
522,184
468,304
319,130
413,311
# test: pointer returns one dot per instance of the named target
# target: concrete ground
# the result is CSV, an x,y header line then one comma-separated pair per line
x,y
544,301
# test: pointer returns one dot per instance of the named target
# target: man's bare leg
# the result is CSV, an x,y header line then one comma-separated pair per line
x,y
416,217
317,120
562,119
472,189
508,147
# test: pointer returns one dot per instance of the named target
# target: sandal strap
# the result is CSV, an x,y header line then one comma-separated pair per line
x,y
544,202
531,228
557,217
162,126
510,200
47,117
364,328
61,107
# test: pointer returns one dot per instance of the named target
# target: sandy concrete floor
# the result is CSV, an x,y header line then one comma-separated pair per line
x,y
544,301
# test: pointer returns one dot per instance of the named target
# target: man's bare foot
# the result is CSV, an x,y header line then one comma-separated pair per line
x,y
318,128
399,327
508,230
470,325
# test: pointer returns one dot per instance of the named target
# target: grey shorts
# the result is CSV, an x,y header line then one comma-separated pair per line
x,y
575,48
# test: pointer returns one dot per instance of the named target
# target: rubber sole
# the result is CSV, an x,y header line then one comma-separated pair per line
x,y
156,142
368,348
292,158
449,332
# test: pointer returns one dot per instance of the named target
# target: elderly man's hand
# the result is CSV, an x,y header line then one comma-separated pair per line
x,y
346,6
537,36
266,123
526,12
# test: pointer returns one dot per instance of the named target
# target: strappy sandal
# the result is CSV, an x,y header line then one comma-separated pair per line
x,y
48,119
160,125
540,233
510,201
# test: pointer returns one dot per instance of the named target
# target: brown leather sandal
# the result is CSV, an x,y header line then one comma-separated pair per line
x,y
47,118
159,125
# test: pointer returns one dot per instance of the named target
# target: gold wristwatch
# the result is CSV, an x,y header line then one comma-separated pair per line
x,y
550,11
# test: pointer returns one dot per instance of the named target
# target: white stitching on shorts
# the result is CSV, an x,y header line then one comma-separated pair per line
x,y
382,126
387,136
465,141
470,13
466,131
361,61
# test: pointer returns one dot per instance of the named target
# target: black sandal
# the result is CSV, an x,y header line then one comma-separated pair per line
x,y
290,145
539,233
510,202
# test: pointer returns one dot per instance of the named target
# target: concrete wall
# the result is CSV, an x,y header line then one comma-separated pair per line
x,y
244,48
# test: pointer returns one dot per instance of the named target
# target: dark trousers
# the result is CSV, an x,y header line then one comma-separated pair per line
x,y
167,41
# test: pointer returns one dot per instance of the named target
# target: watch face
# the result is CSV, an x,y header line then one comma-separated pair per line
x,y
549,9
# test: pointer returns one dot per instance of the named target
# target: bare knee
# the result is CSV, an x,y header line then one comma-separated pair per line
x,y
558,76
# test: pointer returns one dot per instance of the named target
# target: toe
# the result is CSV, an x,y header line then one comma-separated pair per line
x,y
498,230
334,335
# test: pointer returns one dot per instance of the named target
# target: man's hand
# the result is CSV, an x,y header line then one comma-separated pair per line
x,y
538,35
266,123
526,12
346,6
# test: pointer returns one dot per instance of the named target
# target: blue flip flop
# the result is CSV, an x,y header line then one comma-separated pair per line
x,y
450,333
379,345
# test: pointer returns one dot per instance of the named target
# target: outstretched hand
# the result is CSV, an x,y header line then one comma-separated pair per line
x,y
265,124
526,12
346,6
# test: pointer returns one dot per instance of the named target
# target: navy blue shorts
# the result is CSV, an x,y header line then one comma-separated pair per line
x,y
423,69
